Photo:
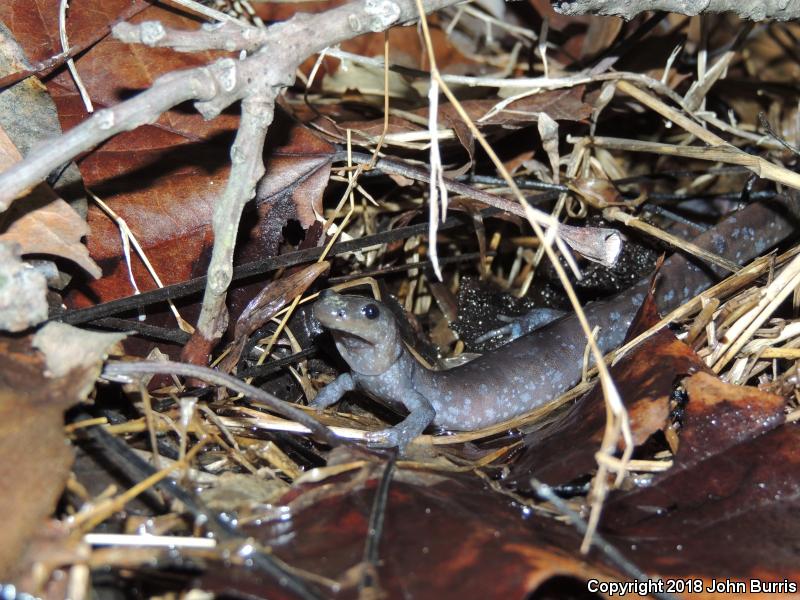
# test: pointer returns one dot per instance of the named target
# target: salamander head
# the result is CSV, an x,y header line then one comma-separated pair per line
x,y
364,330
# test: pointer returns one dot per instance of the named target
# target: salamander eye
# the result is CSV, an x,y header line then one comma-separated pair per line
x,y
370,311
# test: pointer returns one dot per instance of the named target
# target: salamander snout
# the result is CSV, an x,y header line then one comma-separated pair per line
x,y
365,331
330,308
364,317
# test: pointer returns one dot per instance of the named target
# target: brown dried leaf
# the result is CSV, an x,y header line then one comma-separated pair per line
x,y
440,533
720,415
268,302
44,223
728,507
50,548
559,105
67,348
35,451
369,80
274,296
55,229
601,34
600,193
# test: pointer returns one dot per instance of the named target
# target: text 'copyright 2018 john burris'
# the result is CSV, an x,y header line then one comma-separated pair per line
x,y
648,587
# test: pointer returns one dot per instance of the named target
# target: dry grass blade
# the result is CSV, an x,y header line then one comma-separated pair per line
x,y
742,331
720,149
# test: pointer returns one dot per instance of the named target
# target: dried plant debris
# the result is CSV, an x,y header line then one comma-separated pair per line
x,y
23,291
323,328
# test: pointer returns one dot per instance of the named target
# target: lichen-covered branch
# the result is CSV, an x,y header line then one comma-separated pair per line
x,y
754,10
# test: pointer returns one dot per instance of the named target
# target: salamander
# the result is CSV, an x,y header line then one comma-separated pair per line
x,y
528,371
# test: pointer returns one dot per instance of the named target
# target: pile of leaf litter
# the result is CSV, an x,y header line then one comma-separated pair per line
x,y
147,454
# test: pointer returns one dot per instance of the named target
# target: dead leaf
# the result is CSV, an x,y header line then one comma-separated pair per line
x,y
67,348
54,229
732,514
720,415
601,35
268,302
36,454
368,80
43,223
599,193
439,531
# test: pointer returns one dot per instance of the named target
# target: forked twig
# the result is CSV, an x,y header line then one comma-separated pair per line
x,y
267,64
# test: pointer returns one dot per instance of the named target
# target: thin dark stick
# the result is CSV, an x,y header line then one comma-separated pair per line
x,y
527,183
258,267
551,190
375,527
275,365
444,260
153,332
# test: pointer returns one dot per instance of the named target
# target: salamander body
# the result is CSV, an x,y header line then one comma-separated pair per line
x,y
528,371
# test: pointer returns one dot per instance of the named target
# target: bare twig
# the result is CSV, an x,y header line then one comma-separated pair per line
x,y
167,91
229,36
248,168
600,244
125,370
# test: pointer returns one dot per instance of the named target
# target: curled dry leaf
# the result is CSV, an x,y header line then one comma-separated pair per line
x,y
66,348
600,193
43,223
268,302
548,131
368,80
52,228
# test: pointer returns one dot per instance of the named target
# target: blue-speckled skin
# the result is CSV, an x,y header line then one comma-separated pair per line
x,y
529,371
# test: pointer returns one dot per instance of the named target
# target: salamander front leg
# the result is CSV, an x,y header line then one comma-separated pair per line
x,y
421,414
331,393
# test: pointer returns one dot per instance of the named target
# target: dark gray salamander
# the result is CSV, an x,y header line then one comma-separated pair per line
x,y
529,371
